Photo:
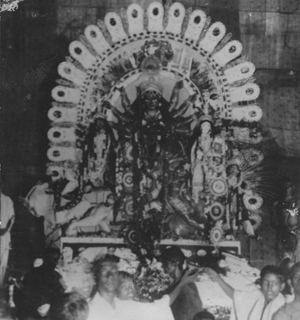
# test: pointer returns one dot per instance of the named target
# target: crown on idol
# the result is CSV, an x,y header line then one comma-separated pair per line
x,y
150,85
101,110
205,117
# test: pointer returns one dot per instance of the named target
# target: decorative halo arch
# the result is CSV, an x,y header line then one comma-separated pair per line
x,y
110,57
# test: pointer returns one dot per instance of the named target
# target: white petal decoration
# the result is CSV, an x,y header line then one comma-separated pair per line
x,y
57,154
96,39
213,36
79,52
64,94
229,52
61,114
175,18
248,92
248,113
114,26
68,71
155,17
135,17
242,71
195,26
59,134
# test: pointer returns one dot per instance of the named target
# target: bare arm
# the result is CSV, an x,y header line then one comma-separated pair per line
x,y
175,95
188,277
3,231
213,275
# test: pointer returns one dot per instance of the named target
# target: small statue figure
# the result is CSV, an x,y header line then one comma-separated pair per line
x,y
200,154
98,150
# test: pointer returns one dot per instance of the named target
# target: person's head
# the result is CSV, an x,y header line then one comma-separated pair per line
x,y
106,274
126,289
233,170
86,284
217,161
110,199
51,257
289,189
172,261
179,172
294,278
205,127
289,242
99,124
204,315
272,282
70,306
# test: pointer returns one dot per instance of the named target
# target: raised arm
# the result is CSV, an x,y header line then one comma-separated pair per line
x,y
188,277
213,275
175,95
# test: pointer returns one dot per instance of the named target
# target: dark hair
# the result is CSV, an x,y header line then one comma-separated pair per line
x,y
289,241
69,306
293,270
124,276
173,254
51,256
203,315
272,270
98,264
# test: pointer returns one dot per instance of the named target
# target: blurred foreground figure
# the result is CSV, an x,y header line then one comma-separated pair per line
x,y
188,302
7,216
69,306
291,311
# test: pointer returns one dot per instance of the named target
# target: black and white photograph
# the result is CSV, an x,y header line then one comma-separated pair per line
x,y
150,160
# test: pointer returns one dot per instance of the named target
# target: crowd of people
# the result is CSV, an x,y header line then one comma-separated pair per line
x,y
109,294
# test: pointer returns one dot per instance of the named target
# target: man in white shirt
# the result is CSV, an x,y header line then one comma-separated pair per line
x,y
104,305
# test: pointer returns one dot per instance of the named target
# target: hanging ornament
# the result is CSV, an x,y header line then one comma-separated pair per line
x,y
253,201
255,220
218,187
133,237
216,211
128,181
216,235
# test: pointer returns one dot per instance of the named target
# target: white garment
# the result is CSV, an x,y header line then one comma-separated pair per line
x,y
99,309
157,310
249,304
6,214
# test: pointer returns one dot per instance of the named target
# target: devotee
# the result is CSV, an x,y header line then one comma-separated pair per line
x,y
288,246
253,303
104,304
7,216
291,311
126,289
40,285
204,315
69,306
188,301
158,309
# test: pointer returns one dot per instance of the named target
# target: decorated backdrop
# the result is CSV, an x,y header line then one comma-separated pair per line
x,y
154,132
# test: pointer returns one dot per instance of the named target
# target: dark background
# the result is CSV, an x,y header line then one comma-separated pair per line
x,y
35,39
